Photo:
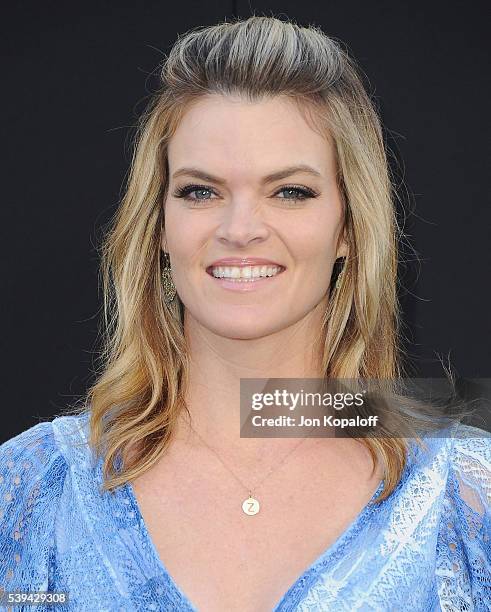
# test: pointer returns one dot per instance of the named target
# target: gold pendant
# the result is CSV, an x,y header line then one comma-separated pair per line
x,y
250,506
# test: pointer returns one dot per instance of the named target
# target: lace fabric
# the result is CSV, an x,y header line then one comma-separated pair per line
x,y
427,547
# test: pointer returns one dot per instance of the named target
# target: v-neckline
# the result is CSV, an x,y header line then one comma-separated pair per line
x,y
302,583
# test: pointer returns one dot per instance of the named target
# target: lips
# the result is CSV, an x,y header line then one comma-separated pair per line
x,y
242,262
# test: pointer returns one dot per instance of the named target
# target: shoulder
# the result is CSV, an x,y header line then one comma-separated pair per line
x,y
27,458
35,450
453,447
464,542
470,444
42,453
462,456
469,476
33,469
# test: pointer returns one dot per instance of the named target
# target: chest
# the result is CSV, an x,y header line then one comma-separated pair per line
x,y
223,559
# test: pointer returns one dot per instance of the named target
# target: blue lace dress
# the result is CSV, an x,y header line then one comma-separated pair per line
x,y
426,547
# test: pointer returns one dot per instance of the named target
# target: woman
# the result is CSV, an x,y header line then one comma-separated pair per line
x,y
259,171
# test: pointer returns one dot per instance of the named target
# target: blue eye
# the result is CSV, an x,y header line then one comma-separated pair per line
x,y
300,193
183,192
304,194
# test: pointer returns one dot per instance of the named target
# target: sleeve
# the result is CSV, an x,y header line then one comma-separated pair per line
x,y
464,542
32,474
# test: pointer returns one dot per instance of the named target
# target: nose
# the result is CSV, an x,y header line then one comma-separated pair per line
x,y
241,224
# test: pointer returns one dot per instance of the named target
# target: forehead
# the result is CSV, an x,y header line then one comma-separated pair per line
x,y
230,134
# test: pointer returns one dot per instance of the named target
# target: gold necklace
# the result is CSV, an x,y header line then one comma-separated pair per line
x,y
250,506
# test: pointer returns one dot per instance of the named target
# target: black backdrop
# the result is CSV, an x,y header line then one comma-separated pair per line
x,y
76,75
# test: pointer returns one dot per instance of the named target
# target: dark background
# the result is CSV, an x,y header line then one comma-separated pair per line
x,y
76,75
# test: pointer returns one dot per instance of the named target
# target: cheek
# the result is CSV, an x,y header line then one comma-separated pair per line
x,y
185,233
312,240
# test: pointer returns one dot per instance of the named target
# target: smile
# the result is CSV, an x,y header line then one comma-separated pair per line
x,y
245,273
244,277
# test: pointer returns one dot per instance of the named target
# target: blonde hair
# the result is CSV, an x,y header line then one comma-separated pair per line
x,y
138,394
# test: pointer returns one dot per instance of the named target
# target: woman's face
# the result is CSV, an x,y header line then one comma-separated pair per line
x,y
251,253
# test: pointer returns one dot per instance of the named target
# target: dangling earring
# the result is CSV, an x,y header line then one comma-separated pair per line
x,y
339,279
169,287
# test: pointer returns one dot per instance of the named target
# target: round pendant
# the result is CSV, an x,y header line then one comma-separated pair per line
x,y
250,506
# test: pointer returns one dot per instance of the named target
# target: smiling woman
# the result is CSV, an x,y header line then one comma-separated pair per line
x,y
259,171
258,155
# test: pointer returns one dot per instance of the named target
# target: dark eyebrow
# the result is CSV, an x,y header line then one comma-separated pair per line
x,y
270,178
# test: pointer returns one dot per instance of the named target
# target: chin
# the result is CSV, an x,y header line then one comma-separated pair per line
x,y
243,326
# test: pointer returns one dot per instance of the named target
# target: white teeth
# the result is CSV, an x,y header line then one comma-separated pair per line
x,y
244,273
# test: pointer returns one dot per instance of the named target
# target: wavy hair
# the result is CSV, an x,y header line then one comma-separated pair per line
x,y
139,390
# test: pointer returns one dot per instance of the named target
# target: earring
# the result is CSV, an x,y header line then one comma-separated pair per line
x,y
339,279
169,287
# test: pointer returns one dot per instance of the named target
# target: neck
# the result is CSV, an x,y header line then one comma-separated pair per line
x,y
217,364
